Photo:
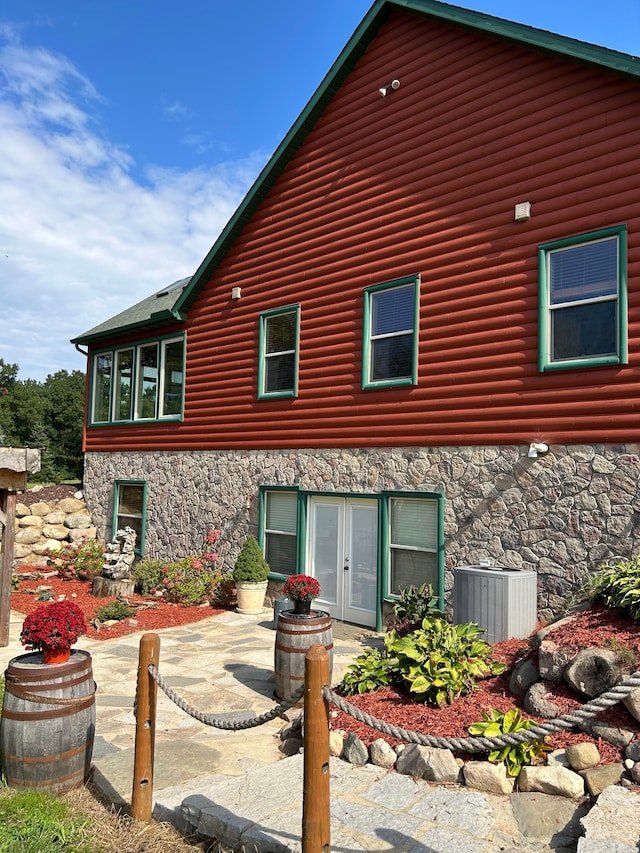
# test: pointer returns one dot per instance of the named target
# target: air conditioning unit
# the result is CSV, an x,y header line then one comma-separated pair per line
x,y
500,600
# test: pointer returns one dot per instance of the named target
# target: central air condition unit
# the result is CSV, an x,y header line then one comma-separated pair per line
x,y
502,601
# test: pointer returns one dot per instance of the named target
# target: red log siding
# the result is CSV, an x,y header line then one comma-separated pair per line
x,y
423,181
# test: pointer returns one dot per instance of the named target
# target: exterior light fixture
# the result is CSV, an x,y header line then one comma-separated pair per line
x,y
537,448
384,91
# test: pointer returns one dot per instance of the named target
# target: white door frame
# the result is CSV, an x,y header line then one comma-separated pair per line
x,y
342,553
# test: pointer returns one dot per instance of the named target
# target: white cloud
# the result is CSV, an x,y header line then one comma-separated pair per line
x,y
80,239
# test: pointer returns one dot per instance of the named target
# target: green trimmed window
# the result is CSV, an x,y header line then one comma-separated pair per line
x,y
583,300
278,367
138,382
281,531
413,543
391,333
130,509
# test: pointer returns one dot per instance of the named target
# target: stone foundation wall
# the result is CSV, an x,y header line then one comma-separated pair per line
x,y
49,526
560,515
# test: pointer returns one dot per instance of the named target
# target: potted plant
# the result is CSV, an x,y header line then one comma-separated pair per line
x,y
52,629
301,589
251,573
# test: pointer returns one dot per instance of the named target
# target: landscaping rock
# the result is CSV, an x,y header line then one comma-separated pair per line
x,y
551,780
31,521
599,778
552,660
612,734
41,508
525,673
55,531
539,636
632,704
537,702
593,671
354,751
78,520
69,505
558,758
425,762
336,743
633,751
291,745
581,756
487,777
382,754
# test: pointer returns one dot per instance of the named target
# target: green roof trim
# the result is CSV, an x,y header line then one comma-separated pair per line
x,y
157,309
153,310
568,48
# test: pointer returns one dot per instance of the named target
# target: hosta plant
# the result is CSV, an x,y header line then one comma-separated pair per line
x,y
495,723
617,584
440,662
369,672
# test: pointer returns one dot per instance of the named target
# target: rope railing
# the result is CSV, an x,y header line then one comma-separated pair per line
x,y
486,744
218,722
318,695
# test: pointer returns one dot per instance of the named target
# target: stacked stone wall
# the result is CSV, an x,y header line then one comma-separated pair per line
x,y
49,526
561,515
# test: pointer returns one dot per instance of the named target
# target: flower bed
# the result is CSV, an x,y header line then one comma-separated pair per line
x,y
152,614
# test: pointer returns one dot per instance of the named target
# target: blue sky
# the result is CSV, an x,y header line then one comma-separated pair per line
x,y
131,129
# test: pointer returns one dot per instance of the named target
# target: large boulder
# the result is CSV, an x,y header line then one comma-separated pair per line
x,y
593,671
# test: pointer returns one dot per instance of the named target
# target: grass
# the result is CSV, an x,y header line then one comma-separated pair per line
x,y
35,822
81,822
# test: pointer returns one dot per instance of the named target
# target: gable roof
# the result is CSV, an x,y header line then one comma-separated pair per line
x,y
154,310
479,22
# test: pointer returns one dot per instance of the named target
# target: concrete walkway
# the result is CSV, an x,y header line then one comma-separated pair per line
x,y
236,786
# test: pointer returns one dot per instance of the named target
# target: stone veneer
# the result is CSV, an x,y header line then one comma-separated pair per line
x,y
560,515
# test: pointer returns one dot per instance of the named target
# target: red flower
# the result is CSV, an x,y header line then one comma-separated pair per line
x,y
58,624
301,588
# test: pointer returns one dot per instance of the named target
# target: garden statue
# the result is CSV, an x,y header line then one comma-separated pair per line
x,y
120,556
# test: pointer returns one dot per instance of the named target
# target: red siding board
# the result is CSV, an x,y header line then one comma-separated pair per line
x,y
423,182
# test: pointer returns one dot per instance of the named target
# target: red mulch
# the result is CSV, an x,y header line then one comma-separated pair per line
x,y
161,615
591,628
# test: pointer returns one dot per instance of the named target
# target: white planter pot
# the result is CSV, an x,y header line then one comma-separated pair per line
x,y
250,597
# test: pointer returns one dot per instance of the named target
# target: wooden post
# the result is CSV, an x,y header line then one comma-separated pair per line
x,y
147,691
316,823
8,520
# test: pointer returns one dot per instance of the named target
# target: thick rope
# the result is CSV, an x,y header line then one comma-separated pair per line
x,y
486,744
216,722
50,700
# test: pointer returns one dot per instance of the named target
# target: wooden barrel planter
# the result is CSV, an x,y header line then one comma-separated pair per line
x,y
48,722
294,637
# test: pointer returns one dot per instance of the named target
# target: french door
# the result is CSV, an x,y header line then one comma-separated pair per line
x,y
343,556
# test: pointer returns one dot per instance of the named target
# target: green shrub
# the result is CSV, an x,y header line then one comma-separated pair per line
x,y
440,662
414,605
114,610
496,723
190,581
81,560
617,584
251,565
369,672
147,576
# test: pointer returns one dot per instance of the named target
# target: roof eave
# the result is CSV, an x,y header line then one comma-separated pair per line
x,y
164,317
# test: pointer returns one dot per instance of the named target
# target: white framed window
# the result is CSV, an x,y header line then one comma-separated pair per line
x,y
583,300
138,382
391,325
278,366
